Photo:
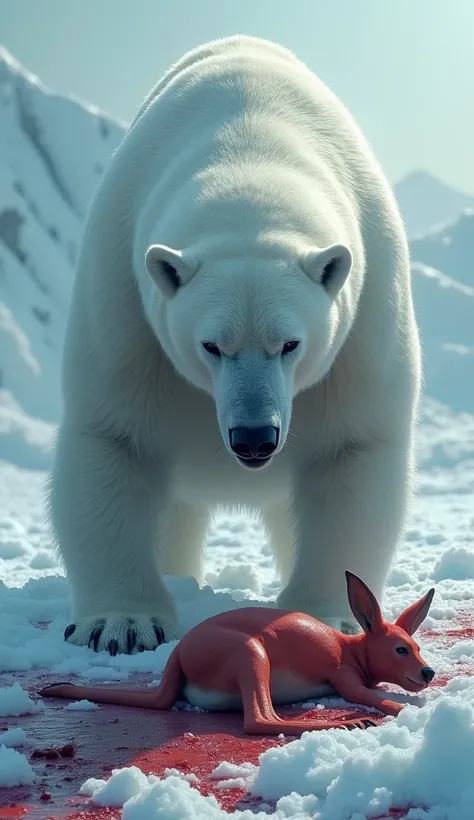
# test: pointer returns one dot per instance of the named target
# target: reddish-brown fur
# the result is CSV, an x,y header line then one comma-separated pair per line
x,y
242,651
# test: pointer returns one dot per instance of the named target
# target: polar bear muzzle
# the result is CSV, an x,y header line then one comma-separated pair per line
x,y
254,446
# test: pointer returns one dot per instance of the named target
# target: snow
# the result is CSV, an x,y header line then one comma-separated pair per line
x,y
81,706
370,772
52,152
322,776
14,768
15,701
123,786
174,799
457,563
13,737
335,775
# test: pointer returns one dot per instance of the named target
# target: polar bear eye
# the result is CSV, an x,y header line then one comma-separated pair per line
x,y
289,347
211,348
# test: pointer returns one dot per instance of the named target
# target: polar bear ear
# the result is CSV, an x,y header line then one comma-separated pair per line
x,y
168,269
328,267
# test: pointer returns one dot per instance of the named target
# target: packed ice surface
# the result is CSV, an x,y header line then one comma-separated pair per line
x,y
52,152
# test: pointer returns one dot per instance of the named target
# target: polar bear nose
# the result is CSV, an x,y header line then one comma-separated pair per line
x,y
254,442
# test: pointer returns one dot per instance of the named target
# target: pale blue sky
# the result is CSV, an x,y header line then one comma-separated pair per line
x,y
404,67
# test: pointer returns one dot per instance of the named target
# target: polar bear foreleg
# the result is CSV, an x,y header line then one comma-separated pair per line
x,y
105,504
183,539
348,515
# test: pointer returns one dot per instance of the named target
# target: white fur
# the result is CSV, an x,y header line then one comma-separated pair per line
x,y
245,171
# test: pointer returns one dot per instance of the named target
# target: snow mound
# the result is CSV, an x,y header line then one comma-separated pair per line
x,y
15,701
14,769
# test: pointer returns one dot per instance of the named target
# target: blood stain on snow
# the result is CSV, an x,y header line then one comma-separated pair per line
x,y
464,630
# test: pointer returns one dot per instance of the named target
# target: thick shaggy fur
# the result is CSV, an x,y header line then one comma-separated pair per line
x,y
279,225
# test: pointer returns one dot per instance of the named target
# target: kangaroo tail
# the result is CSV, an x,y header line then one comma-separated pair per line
x,y
162,697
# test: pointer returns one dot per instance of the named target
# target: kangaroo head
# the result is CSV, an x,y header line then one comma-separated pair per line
x,y
392,654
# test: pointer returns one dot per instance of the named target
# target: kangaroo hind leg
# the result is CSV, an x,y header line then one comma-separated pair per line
x,y
260,717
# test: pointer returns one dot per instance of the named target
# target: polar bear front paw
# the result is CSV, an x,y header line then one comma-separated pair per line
x,y
116,633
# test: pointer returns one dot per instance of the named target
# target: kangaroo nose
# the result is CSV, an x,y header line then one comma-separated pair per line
x,y
427,674
254,442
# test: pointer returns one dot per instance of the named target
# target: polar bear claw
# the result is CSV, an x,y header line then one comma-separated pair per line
x,y
125,634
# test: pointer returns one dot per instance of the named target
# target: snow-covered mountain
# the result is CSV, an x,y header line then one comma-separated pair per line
x,y
445,313
53,150
449,247
52,153
425,202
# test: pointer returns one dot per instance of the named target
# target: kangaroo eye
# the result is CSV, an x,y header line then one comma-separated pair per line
x,y
402,650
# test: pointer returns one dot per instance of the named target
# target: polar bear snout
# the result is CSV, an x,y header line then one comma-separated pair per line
x,y
254,446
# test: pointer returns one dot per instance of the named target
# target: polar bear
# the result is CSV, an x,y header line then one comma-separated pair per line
x,y
241,332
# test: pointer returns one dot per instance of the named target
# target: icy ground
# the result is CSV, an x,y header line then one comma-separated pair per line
x,y
422,759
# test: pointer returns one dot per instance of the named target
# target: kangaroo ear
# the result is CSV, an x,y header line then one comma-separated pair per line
x,y
413,616
364,604
168,269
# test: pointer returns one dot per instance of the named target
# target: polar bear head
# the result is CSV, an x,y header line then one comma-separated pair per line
x,y
252,332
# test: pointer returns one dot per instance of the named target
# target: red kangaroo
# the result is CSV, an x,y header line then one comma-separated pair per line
x,y
255,657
